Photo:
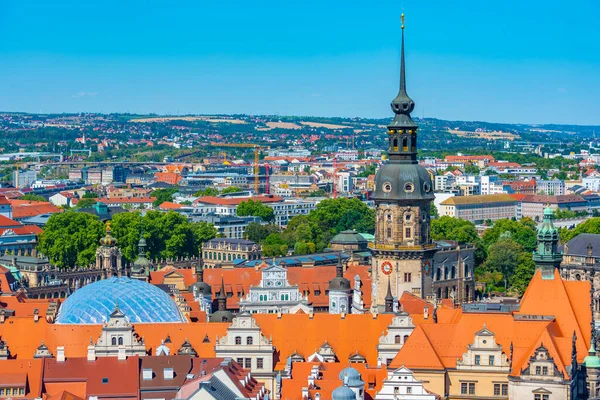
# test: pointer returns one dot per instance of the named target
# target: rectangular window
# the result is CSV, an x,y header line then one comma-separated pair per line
x,y
471,388
463,388
248,363
491,360
496,389
408,390
1,391
407,233
240,361
477,360
544,370
505,389
537,397
389,233
259,363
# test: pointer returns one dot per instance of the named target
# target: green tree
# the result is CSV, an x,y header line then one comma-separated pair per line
x,y
369,170
86,203
503,257
258,232
163,195
433,211
126,228
255,208
522,232
274,246
208,191
450,228
33,197
523,273
592,225
472,169
89,195
231,189
70,238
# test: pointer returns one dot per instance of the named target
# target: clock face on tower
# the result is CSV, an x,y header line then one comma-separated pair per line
x,y
386,267
427,267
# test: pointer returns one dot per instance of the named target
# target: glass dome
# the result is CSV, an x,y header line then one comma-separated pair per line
x,y
138,300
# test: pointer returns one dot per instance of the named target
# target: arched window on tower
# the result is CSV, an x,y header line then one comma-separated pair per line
x,y
238,340
397,339
395,144
453,272
120,340
405,144
249,340
113,341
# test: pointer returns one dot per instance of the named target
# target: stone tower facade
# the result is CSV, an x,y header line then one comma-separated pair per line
x,y
403,250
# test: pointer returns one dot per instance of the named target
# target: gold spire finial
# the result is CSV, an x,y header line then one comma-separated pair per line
x,y
402,18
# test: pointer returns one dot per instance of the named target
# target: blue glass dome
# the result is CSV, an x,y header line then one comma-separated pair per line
x,y
138,300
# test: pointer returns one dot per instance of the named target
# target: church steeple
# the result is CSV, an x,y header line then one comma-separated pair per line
x,y
547,257
402,130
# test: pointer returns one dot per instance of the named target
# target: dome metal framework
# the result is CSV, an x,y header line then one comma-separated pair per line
x,y
138,300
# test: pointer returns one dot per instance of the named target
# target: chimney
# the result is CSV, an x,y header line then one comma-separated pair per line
x,y
343,315
36,315
426,312
2,316
60,354
317,396
91,354
305,393
121,356
311,314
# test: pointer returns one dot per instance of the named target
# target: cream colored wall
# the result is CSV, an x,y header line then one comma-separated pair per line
x,y
177,281
435,382
484,386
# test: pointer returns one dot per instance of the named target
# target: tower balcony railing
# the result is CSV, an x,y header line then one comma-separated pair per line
x,y
377,246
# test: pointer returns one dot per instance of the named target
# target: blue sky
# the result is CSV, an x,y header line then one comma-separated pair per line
x,y
527,61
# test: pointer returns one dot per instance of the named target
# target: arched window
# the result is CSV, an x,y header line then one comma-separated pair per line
x,y
120,340
445,273
405,338
397,339
439,293
249,340
404,143
453,272
113,341
466,270
439,274
238,340
395,143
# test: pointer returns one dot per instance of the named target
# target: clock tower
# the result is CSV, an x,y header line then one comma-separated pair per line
x,y
403,250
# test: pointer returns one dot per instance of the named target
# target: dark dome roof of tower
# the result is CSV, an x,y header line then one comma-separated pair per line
x,y
398,181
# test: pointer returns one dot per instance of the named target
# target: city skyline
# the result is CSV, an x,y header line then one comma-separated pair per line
x,y
511,62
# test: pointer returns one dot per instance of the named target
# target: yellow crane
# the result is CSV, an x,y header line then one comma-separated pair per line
x,y
257,148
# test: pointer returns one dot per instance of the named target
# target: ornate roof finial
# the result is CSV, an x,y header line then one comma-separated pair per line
x,y
402,105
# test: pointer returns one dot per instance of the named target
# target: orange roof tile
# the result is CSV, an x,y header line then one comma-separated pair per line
x,y
32,208
23,336
354,332
167,205
19,371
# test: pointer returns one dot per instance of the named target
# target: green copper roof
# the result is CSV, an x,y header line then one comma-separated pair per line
x,y
592,360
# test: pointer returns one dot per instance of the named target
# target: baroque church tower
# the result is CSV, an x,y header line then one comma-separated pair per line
x,y
403,250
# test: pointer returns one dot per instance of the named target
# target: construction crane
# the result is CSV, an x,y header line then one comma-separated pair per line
x,y
257,148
